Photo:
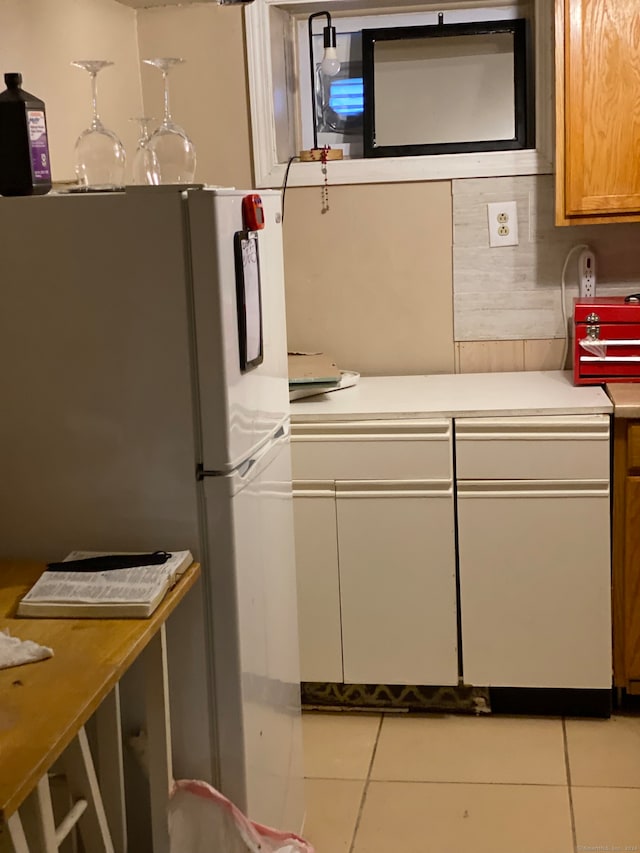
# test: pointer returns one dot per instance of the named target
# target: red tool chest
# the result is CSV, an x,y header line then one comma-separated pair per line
x,y
606,340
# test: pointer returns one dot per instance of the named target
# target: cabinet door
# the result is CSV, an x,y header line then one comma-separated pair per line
x,y
598,72
632,582
535,594
314,511
397,582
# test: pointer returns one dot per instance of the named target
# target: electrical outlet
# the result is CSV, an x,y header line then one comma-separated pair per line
x,y
503,223
587,273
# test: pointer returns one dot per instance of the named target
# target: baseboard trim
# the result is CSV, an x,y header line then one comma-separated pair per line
x,y
560,702
399,697
529,701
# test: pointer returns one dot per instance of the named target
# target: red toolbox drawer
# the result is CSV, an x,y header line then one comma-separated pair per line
x,y
606,336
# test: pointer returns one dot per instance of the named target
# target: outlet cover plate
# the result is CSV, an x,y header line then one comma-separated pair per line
x,y
503,223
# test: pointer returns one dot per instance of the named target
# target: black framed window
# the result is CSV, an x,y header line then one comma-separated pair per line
x,y
448,88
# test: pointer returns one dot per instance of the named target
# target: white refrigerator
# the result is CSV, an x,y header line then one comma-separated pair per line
x,y
145,406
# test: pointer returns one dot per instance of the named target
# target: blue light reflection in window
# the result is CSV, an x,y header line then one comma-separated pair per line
x,y
346,96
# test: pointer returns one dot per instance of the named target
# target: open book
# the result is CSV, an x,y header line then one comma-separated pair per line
x,y
114,594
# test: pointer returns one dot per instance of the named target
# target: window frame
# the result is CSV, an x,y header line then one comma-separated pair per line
x,y
273,81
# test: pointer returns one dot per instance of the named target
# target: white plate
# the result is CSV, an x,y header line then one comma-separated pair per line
x,y
347,379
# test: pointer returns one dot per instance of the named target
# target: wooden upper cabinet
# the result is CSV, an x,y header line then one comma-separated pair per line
x,y
597,111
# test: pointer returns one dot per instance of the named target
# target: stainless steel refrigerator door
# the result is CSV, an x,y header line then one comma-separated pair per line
x,y
239,410
251,596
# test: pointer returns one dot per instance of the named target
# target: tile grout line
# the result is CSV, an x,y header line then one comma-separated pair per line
x,y
568,769
366,786
475,783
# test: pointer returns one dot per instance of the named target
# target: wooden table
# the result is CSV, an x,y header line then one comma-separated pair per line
x,y
45,705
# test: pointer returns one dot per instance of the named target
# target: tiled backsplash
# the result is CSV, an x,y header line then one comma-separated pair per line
x,y
373,288
500,356
511,295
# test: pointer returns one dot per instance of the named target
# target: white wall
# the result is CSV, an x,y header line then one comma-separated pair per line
x,y
209,92
369,281
39,38
370,313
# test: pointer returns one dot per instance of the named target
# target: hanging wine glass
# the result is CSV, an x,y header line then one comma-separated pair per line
x,y
145,167
173,148
99,153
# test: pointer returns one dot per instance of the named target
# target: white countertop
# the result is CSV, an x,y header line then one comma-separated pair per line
x,y
459,395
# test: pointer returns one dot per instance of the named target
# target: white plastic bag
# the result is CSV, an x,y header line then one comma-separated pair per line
x,y
202,820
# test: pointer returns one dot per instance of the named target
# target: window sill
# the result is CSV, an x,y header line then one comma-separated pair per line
x,y
403,169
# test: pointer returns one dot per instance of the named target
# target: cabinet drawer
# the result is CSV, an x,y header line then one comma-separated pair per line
x,y
549,448
372,450
633,446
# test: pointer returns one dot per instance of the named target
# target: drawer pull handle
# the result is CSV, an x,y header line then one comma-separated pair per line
x,y
619,359
598,349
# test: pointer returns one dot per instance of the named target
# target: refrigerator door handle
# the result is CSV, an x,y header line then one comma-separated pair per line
x,y
279,436
245,467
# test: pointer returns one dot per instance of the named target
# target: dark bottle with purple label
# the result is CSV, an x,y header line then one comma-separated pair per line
x,y
24,148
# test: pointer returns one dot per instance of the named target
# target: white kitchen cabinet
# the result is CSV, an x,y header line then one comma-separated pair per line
x,y
397,582
534,551
375,548
320,630
529,514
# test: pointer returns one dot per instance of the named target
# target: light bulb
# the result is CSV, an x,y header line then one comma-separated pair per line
x,y
330,64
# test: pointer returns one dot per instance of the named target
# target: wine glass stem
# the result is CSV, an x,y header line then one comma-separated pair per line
x,y
167,114
144,134
94,100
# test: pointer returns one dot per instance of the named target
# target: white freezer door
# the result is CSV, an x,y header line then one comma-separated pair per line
x,y
253,611
239,410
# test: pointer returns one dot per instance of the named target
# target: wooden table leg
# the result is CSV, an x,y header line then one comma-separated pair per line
x,y
110,767
160,766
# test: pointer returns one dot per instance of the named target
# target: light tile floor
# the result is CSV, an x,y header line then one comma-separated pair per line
x,y
452,784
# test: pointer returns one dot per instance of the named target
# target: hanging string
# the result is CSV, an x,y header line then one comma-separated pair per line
x,y
325,185
325,180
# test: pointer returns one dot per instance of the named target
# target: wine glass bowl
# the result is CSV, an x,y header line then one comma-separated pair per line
x,y
99,154
145,166
174,150
92,65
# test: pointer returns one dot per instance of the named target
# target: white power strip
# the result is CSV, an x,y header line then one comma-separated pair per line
x,y
587,273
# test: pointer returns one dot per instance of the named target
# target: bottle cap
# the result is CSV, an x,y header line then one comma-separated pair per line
x,y
12,79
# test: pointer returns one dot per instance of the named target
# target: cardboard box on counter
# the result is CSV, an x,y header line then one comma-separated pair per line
x,y
312,367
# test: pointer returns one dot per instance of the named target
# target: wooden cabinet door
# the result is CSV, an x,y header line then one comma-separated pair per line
x,y
598,69
397,582
632,582
314,510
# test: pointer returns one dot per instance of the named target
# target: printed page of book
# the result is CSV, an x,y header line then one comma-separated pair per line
x,y
139,584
